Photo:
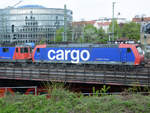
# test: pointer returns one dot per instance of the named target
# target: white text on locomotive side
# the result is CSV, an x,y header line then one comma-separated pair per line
x,y
75,55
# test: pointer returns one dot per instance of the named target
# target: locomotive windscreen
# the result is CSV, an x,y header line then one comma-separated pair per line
x,y
140,50
147,29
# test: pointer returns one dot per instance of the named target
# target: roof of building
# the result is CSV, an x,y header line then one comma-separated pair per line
x,y
92,23
145,19
31,6
104,23
84,22
123,39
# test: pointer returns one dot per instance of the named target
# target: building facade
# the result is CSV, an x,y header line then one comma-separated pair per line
x,y
31,23
145,29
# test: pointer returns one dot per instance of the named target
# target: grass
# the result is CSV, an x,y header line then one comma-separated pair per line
x,y
64,101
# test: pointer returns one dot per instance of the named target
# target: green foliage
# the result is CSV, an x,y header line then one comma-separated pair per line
x,y
102,36
80,40
96,92
101,32
42,41
90,33
131,30
93,35
102,40
102,91
59,35
134,89
137,88
117,29
63,101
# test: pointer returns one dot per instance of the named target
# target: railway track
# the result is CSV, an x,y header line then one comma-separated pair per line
x,y
78,75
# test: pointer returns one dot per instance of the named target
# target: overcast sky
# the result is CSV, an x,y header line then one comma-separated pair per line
x,y
91,9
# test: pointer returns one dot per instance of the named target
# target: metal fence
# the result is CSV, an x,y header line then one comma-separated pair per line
x,y
139,76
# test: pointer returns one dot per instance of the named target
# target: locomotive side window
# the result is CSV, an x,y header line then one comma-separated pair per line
x,y
25,50
5,50
22,50
30,50
146,29
16,50
128,50
38,50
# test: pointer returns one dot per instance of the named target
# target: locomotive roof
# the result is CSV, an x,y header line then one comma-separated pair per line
x,y
84,45
13,45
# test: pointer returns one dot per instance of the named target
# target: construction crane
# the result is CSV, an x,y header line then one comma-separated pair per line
x,y
4,19
15,4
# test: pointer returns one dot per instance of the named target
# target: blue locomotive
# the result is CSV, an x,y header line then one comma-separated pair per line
x,y
114,54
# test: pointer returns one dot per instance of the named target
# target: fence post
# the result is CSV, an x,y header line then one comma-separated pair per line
x,y
35,90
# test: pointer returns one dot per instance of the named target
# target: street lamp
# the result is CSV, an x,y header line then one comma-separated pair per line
x,y
113,26
65,23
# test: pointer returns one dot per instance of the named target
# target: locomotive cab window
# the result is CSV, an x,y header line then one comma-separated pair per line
x,y
128,50
30,50
24,50
140,50
5,50
38,50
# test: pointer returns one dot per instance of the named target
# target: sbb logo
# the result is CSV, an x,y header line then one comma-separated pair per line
x,y
75,55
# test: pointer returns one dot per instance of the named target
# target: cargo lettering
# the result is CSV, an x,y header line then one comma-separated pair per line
x,y
75,55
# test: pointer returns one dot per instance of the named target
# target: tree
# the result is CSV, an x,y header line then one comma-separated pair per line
x,y
42,41
117,30
59,35
131,30
102,37
90,33
77,33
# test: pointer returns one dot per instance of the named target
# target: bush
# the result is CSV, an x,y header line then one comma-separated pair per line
x,y
64,101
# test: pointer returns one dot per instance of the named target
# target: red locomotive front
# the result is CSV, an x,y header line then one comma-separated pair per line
x,y
23,53
137,51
